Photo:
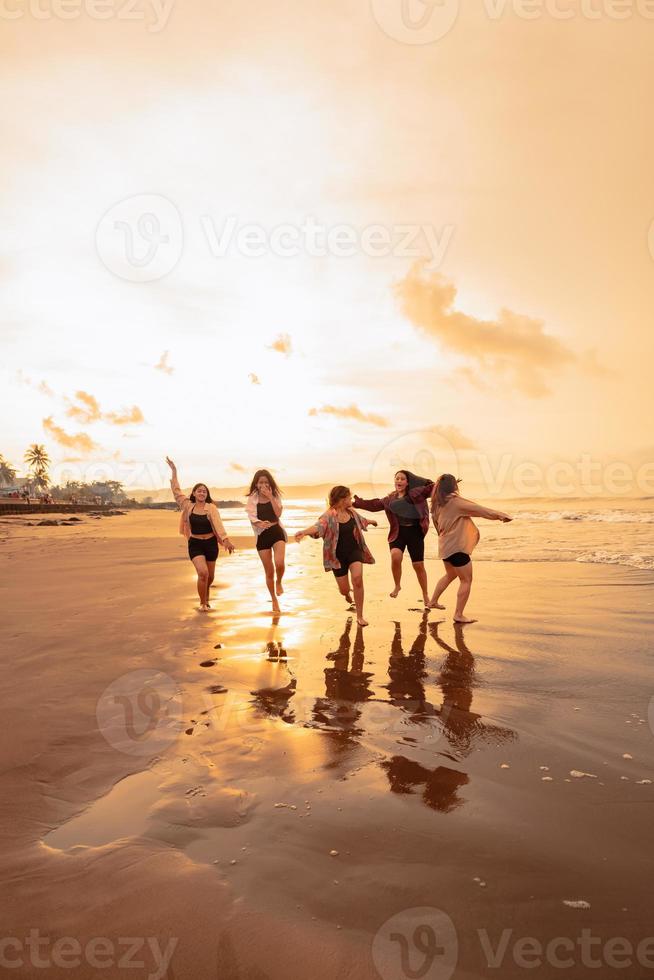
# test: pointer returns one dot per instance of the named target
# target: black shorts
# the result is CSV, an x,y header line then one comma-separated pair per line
x,y
458,559
269,537
203,546
349,559
410,536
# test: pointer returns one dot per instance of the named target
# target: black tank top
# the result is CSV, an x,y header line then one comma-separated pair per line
x,y
265,512
200,524
346,540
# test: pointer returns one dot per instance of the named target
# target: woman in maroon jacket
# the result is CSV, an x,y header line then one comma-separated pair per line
x,y
408,517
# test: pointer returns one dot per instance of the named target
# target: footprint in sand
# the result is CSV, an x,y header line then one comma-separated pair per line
x,y
217,689
208,663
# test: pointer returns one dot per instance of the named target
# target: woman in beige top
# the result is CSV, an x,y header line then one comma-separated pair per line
x,y
457,537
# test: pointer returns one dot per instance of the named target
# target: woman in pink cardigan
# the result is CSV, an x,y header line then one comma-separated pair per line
x,y
458,535
201,525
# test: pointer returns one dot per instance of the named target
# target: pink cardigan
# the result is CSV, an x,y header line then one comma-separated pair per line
x,y
186,506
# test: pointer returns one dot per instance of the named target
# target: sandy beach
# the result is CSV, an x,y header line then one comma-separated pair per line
x,y
257,799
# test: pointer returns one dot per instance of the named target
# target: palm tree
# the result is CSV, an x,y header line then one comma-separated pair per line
x,y
38,461
7,472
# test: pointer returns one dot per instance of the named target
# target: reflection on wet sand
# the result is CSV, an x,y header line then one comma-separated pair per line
x,y
423,710
460,726
346,686
275,701
456,679
441,785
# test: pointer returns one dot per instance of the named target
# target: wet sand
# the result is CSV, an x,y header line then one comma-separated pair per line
x,y
168,775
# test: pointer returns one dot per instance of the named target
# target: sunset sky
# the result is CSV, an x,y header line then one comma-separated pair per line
x,y
515,152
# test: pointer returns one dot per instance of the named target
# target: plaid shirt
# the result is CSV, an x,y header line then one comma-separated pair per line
x,y
418,496
327,529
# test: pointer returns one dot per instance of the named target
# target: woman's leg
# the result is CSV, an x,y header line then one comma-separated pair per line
x,y
396,567
442,584
343,586
279,552
356,572
200,563
465,580
266,557
421,575
211,571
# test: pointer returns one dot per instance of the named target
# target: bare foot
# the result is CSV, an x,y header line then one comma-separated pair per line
x,y
362,622
462,621
349,599
276,610
436,605
396,591
279,588
203,608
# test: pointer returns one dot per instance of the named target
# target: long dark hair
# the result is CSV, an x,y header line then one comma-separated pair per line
x,y
271,480
408,481
192,495
336,494
444,487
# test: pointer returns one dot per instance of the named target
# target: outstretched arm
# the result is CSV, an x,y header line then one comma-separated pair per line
x,y
471,509
180,497
421,493
365,523
373,505
315,531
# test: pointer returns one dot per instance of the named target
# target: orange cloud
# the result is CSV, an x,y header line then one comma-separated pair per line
x,y
237,467
254,379
453,435
88,411
80,441
132,417
45,389
163,364
350,412
511,347
282,344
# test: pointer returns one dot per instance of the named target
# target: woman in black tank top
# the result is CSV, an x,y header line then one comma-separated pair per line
x,y
198,526
264,510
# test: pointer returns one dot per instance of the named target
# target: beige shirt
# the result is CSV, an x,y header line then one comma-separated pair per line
x,y
185,504
456,530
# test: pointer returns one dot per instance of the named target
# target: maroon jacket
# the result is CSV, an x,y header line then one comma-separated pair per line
x,y
418,496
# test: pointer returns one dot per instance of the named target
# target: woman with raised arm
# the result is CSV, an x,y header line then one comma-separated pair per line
x,y
344,551
458,536
408,518
264,508
201,525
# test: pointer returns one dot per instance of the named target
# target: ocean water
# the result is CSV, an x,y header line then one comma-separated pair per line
x,y
602,531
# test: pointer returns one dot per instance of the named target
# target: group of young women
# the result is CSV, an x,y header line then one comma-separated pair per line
x,y
408,508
